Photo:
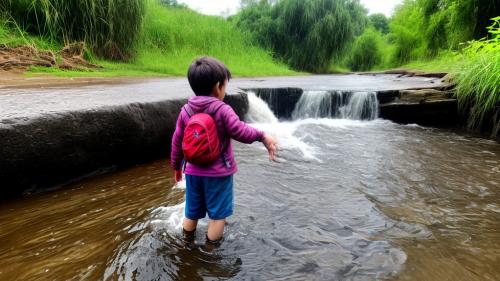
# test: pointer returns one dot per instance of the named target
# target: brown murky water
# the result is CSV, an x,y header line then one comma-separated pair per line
x,y
70,234
348,200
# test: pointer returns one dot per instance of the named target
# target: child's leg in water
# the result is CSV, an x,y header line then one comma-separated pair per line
x,y
189,225
215,229
189,229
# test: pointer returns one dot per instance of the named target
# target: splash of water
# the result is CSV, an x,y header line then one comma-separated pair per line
x,y
258,111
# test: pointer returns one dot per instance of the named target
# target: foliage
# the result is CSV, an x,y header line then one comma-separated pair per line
x,y
407,41
110,27
478,81
365,52
173,3
379,22
305,34
423,28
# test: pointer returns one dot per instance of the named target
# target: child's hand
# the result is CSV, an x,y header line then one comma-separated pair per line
x,y
271,145
178,175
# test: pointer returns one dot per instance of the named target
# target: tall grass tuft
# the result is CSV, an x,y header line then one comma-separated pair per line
x,y
478,81
110,27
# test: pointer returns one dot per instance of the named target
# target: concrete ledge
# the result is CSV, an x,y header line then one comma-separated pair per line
x,y
54,148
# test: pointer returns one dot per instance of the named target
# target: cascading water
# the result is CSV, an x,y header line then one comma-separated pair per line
x,y
258,111
337,104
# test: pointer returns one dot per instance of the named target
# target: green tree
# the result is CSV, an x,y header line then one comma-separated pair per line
x,y
380,22
173,3
305,34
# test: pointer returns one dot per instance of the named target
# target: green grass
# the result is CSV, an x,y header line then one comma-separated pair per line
x,y
169,41
478,86
336,67
478,80
444,62
172,38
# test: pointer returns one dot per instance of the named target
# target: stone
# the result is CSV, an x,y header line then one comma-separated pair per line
x,y
437,113
423,95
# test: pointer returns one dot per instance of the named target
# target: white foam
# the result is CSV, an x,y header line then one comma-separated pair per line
x,y
170,218
259,111
284,133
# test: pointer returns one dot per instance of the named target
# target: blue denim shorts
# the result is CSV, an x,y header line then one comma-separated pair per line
x,y
212,195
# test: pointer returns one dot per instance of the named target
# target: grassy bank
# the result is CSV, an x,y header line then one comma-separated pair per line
x,y
169,40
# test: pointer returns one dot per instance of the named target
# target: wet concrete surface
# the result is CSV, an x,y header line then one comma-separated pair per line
x,y
27,98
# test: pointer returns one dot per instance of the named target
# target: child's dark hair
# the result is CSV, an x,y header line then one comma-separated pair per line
x,y
204,73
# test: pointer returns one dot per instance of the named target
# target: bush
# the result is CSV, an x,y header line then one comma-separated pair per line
x,y
110,27
365,52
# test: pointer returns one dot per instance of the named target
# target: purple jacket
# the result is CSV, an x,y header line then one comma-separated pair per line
x,y
229,127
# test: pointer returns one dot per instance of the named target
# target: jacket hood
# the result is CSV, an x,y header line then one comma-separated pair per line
x,y
201,103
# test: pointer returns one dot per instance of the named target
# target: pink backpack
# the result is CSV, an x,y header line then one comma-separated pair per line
x,y
201,145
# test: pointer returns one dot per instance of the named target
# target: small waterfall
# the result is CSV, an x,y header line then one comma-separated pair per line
x,y
337,104
258,110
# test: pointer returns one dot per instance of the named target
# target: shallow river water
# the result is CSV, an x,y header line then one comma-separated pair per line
x,y
347,200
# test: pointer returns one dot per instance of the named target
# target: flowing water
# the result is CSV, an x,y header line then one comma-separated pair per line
x,y
337,104
347,200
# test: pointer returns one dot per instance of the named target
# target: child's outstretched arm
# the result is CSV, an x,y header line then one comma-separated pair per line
x,y
241,132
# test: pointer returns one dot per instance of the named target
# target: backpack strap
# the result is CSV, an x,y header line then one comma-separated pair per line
x,y
223,153
188,110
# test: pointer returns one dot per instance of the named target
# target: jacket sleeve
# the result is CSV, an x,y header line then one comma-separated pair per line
x,y
176,154
239,130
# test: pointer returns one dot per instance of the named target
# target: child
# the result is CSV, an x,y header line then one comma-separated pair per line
x,y
209,189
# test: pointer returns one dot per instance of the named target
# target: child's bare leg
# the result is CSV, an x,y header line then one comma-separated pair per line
x,y
215,229
189,225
